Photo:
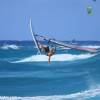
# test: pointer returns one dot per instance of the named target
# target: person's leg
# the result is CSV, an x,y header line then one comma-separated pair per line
x,y
49,55
49,59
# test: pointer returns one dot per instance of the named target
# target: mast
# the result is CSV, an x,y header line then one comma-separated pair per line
x,y
34,38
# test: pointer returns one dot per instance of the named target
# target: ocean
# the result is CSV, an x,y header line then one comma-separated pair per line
x,y
71,75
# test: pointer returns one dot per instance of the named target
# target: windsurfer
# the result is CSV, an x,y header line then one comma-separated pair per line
x,y
48,51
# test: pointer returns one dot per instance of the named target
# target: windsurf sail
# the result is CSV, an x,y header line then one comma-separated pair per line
x,y
34,38
92,50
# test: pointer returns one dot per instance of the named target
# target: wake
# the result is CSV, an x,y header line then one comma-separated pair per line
x,y
57,57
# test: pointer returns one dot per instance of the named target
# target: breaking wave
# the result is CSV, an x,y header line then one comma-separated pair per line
x,y
57,57
5,47
74,96
92,46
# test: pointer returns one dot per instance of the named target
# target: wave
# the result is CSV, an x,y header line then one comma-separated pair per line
x,y
57,57
88,46
74,96
5,47
92,46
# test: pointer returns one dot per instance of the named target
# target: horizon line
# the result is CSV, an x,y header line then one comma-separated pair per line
x,y
57,40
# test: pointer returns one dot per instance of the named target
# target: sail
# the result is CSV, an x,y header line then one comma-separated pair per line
x,y
68,45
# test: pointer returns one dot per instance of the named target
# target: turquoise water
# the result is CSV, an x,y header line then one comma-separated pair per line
x,y
27,76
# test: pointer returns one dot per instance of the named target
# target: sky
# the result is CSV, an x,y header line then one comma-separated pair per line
x,y
60,19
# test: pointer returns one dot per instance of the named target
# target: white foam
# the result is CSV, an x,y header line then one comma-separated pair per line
x,y
9,47
57,57
92,46
75,96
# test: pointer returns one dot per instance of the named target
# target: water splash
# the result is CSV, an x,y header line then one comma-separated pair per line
x,y
57,57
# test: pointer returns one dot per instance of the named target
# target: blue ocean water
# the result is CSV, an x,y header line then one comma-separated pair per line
x,y
71,75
